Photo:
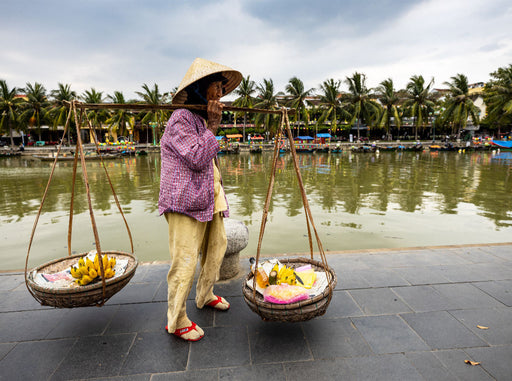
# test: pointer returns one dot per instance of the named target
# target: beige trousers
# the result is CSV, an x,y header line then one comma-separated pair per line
x,y
187,238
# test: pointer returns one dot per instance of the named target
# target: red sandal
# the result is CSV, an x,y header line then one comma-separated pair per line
x,y
214,303
182,331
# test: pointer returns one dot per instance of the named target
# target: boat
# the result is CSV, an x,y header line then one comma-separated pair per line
x,y
72,157
504,145
9,153
437,147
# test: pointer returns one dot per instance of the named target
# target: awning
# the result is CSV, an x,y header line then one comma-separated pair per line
x,y
219,137
256,138
234,136
323,135
304,138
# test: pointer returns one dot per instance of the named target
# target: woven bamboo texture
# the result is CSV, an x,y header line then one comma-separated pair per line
x,y
292,312
80,296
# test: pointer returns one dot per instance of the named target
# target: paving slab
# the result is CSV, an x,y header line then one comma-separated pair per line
x,y
495,360
500,290
221,347
423,298
35,360
331,338
253,373
272,342
20,326
342,305
11,281
429,366
454,360
156,352
466,296
440,330
379,301
498,322
389,334
190,375
5,348
95,356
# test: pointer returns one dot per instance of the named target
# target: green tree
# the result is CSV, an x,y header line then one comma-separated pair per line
x,y
120,119
245,92
154,97
359,103
35,106
389,99
498,97
459,106
330,102
296,99
420,100
59,108
267,100
9,109
96,117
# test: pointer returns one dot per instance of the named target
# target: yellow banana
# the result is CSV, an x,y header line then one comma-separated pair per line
x,y
92,273
83,270
111,262
109,273
86,279
105,261
97,262
75,273
81,262
89,263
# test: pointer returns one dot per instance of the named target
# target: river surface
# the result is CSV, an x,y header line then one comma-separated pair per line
x,y
358,201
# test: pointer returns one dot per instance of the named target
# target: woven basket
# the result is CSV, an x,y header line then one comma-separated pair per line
x,y
293,312
82,296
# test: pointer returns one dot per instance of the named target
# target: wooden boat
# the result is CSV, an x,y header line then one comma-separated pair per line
x,y
9,153
503,145
72,157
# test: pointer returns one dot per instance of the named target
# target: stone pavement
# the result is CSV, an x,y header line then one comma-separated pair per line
x,y
395,315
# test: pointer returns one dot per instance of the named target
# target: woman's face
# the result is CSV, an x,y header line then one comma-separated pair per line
x,y
214,92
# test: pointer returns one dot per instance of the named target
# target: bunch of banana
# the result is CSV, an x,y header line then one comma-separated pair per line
x,y
88,270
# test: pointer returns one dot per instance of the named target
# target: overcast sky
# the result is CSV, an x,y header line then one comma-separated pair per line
x,y
120,45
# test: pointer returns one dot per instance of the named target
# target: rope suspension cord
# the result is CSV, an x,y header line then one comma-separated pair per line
x,y
309,218
79,152
42,203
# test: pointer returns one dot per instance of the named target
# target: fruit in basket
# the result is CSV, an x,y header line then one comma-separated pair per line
x,y
88,270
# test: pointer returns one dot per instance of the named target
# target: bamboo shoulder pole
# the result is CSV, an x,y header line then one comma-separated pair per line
x,y
169,107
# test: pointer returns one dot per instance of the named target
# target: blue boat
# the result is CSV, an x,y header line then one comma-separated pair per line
x,y
502,144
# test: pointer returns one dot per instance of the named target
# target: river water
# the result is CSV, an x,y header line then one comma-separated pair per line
x,y
358,201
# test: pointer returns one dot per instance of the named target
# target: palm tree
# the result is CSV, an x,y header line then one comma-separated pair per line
x,y
459,105
330,102
35,106
155,117
119,119
59,109
498,97
420,100
9,109
245,92
359,103
389,99
267,100
96,117
297,100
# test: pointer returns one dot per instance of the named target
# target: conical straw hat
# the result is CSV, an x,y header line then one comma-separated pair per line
x,y
202,68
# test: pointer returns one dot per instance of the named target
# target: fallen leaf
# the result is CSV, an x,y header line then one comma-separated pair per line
x,y
471,362
482,327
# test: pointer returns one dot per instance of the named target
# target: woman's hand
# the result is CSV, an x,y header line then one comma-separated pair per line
x,y
214,110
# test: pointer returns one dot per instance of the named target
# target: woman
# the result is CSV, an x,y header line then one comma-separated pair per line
x,y
191,194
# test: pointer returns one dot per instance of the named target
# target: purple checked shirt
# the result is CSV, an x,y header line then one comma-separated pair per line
x,y
186,176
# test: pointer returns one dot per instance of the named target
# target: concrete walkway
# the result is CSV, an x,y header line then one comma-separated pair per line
x,y
395,315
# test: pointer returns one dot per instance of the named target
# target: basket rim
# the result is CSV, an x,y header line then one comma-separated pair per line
x,y
83,289
259,301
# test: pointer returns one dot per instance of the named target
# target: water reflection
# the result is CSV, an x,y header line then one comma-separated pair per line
x,y
358,200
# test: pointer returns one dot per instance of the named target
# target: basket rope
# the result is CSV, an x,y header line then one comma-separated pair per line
x,y
79,150
285,125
